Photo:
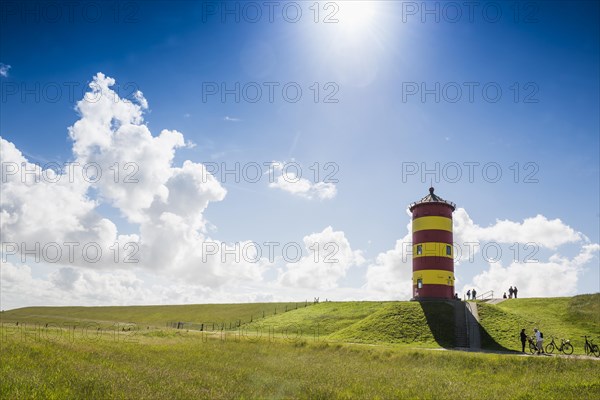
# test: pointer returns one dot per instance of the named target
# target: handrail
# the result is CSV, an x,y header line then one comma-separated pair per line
x,y
487,295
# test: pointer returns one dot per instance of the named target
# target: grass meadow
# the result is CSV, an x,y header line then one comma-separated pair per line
x,y
178,364
561,317
330,350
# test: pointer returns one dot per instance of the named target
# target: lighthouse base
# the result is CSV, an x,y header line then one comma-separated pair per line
x,y
433,292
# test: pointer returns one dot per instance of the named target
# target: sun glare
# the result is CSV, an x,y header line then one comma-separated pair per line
x,y
356,16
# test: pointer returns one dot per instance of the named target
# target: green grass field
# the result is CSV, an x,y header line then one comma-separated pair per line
x,y
328,350
188,365
561,317
154,316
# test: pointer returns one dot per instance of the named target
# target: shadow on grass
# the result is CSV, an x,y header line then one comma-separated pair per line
x,y
499,326
488,342
440,319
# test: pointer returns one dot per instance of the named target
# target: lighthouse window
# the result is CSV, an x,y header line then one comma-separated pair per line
x,y
448,250
419,249
419,283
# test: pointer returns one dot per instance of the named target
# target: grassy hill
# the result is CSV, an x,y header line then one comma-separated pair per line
x,y
324,318
156,316
429,324
561,317
181,363
404,322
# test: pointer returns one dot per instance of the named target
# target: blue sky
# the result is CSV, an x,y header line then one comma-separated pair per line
x,y
375,62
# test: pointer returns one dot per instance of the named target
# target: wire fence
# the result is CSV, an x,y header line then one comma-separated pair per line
x,y
237,323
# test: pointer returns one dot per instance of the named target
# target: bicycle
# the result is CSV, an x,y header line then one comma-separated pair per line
x,y
590,347
565,346
532,345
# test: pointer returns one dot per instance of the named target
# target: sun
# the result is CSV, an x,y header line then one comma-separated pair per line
x,y
356,16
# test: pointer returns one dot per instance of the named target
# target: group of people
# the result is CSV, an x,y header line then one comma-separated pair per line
x,y
539,340
512,292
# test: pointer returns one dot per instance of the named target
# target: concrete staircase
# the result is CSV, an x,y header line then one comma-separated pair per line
x,y
466,326
472,325
461,336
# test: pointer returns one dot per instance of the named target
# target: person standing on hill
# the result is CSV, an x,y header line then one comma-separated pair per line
x,y
468,295
510,292
515,291
474,294
523,339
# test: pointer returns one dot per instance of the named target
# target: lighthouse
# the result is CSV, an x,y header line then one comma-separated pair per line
x,y
433,253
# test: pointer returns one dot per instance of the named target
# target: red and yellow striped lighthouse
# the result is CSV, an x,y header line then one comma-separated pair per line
x,y
433,253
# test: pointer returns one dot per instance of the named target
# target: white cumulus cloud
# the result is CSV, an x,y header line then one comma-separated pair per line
x,y
391,273
290,182
119,162
558,276
4,69
328,260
